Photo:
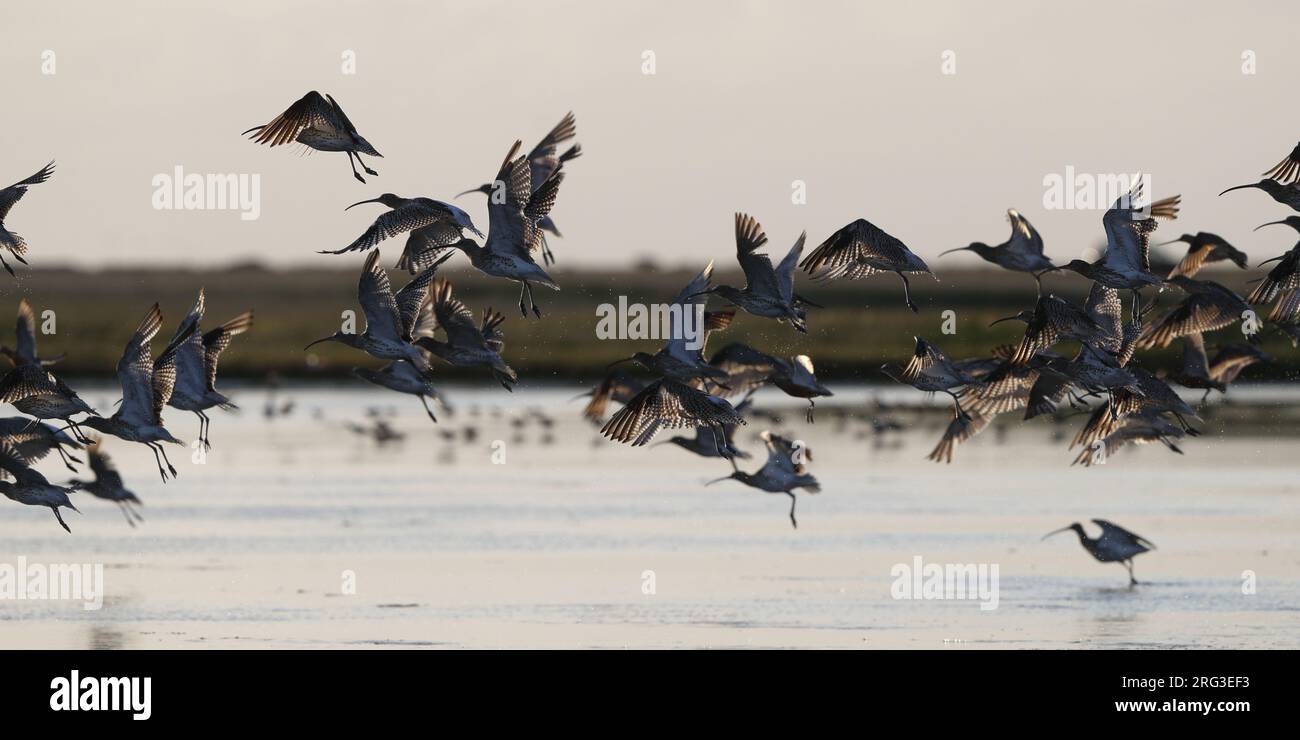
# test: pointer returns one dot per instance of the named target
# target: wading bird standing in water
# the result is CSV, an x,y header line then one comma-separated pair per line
x,y
196,366
784,471
543,163
146,388
1022,252
862,249
8,197
1115,545
319,123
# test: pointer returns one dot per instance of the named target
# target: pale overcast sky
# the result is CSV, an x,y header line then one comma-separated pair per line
x,y
747,97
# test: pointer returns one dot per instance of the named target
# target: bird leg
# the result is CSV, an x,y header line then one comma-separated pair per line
x,y
548,259
811,405
354,168
957,402
1131,580
907,294
428,410
66,461
536,311
793,500
1038,281
522,288
59,516
204,421
11,272
363,165
157,460
76,432
127,513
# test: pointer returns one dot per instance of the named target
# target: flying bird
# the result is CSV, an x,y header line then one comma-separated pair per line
x,y
513,231
16,245
24,349
107,483
784,472
319,123
668,404
1115,545
402,377
1021,252
146,387
433,225
390,320
1204,248
1127,261
30,487
769,291
543,162
862,249
196,366
468,344
1288,169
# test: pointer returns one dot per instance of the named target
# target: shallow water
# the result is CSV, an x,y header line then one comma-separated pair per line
x,y
556,547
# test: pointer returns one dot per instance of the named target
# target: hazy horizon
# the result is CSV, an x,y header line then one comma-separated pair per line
x,y
746,98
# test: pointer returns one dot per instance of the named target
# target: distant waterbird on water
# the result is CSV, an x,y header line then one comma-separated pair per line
x,y
319,123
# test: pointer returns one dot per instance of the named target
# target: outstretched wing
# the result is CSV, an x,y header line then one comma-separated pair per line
x,y
25,333
1112,530
760,276
455,318
14,193
375,293
412,297
216,340
543,160
310,111
164,368
667,404
135,371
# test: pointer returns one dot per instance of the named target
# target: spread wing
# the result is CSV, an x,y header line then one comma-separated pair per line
x,y
216,340
375,293
26,333
14,193
310,111
667,404
412,297
135,372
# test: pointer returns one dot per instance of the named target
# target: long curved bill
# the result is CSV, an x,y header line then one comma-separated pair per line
x,y
372,200
719,480
1240,187
958,249
318,341
1055,531
1270,223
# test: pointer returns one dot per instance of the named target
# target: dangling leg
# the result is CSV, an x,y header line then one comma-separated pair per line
x,y
907,294
522,311
363,165
536,311
157,460
548,259
793,521
59,516
428,410
811,406
126,513
169,462
1129,564
957,402
354,168
11,272
67,460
